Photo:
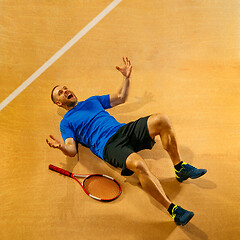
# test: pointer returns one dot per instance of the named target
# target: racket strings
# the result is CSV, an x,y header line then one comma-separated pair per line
x,y
101,187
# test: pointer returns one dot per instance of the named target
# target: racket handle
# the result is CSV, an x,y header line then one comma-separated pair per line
x,y
60,170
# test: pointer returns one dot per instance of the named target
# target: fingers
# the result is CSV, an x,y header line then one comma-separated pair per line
x,y
52,137
54,144
49,143
126,61
130,69
127,69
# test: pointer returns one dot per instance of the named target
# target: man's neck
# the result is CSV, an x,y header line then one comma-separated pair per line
x,y
70,107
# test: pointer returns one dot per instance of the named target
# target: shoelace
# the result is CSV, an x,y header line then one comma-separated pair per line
x,y
188,167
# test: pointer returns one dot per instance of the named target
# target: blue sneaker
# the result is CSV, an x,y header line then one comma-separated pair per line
x,y
181,216
188,171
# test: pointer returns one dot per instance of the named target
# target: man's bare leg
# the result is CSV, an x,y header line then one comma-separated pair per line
x,y
152,185
148,181
160,125
157,125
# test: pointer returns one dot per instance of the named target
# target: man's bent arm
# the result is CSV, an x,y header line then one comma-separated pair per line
x,y
121,96
69,148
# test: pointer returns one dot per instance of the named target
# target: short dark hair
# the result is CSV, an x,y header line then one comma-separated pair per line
x,y
52,93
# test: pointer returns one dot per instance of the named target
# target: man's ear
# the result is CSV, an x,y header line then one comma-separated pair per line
x,y
59,103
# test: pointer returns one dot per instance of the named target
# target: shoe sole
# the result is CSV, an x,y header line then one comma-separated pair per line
x,y
203,172
188,218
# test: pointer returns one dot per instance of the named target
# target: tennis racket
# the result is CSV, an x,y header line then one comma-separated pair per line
x,y
97,186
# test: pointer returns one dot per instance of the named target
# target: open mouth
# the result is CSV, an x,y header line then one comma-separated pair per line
x,y
69,96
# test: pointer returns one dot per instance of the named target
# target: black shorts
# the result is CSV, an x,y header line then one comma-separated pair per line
x,y
129,138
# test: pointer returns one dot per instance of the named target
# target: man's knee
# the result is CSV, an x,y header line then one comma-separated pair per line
x,y
135,163
158,123
163,121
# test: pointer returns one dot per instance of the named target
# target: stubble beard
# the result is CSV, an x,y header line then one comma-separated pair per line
x,y
72,104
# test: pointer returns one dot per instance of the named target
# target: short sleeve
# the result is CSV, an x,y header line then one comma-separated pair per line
x,y
66,131
105,101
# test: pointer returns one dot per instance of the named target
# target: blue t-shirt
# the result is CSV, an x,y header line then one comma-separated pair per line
x,y
89,124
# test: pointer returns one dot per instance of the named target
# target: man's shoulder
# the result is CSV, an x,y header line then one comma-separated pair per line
x,y
95,97
98,97
64,121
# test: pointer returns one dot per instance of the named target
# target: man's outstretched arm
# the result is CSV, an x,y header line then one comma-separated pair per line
x,y
69,147
121,96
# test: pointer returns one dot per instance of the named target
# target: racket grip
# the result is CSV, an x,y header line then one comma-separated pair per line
x,y
60,170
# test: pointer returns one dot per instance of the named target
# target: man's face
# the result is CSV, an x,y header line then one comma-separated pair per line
x,y
64,97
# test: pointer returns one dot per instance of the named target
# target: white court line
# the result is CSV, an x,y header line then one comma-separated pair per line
x,y
58,54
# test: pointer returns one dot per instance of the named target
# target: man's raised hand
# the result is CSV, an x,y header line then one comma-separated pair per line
x,y
127,68
54,143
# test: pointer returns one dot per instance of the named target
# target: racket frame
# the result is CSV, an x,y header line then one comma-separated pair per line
x,y
86,176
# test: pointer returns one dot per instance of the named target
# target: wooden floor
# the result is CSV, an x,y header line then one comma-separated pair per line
x,y
185,56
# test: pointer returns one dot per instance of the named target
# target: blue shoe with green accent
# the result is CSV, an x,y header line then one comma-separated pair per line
x,y
181,216
188,171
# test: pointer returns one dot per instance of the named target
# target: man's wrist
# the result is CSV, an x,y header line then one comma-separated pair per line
x,y
61,147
